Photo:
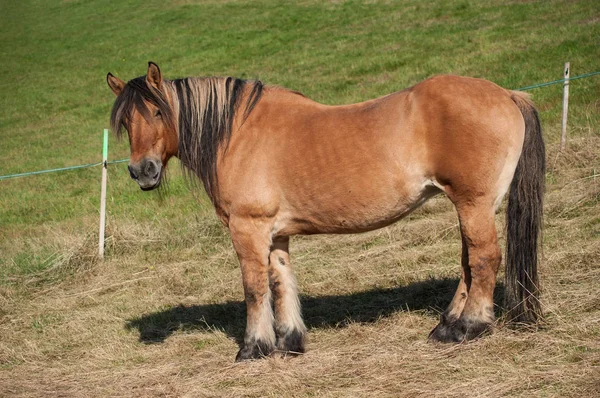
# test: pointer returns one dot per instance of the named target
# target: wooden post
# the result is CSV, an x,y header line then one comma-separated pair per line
x,y
103,195
563,136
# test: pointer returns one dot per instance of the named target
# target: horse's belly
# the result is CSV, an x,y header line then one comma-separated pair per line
x,y
351,213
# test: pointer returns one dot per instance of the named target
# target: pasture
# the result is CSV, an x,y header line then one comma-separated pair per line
x,y
163,314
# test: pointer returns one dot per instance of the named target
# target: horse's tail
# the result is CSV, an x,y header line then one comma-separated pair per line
x,y
524,220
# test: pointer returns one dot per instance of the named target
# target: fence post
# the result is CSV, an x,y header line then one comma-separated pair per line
x,y
563,136
103,195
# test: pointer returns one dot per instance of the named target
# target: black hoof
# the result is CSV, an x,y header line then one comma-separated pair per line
x,y
458,330
254,350
291,343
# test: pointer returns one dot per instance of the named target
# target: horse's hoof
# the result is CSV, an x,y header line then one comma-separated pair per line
x,y
291,343
458,330
252,351
447,332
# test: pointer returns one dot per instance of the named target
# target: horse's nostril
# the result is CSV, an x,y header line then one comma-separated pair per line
x,y
132,173
152,169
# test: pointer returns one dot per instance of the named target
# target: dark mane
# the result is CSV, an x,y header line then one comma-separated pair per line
x,y
202,113
207,108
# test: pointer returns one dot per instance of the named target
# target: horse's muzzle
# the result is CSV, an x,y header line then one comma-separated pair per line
x,y
147,173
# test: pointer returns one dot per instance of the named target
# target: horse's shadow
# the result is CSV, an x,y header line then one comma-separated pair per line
x,y
431,296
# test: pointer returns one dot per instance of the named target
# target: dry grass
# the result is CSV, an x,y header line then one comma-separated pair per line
x,y
162,316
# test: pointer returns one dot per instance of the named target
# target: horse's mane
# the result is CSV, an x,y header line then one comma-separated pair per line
x,y
204,109
207,107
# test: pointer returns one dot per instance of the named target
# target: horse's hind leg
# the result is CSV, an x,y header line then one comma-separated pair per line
x,y
289,326
252,242
471,312
457,304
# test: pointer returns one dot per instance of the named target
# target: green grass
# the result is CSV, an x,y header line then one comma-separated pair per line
x,y
167,251
56,55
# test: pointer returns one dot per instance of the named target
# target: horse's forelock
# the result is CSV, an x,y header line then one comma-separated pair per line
x,y
135,95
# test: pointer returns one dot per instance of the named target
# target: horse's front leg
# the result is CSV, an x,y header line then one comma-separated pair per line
x,y
252,242
289,325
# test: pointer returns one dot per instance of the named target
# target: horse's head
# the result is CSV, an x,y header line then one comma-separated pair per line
x,y
144,109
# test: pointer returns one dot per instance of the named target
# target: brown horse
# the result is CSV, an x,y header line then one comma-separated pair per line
x,y
276,164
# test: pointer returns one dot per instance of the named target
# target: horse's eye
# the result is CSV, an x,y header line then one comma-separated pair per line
x,y
157,114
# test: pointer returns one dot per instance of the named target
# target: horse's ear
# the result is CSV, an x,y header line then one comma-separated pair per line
x,y
154,77
115,84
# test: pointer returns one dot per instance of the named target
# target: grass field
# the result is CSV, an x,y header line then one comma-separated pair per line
x,y
162,315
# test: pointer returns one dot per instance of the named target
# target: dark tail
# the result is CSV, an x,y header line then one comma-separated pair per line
x,y
524,221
